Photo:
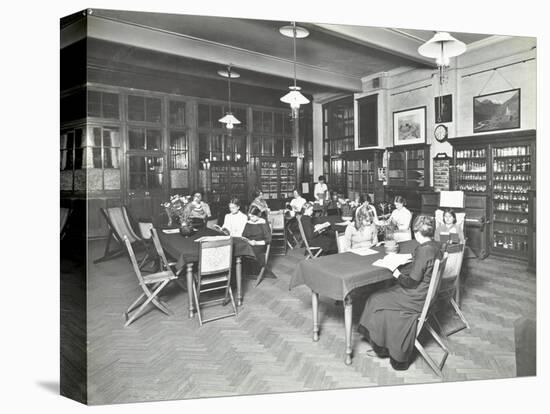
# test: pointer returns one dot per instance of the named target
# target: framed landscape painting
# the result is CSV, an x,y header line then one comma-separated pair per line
x,y
497,111
409,126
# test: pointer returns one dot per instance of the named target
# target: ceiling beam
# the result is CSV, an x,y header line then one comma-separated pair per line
x,y
177,44
391,41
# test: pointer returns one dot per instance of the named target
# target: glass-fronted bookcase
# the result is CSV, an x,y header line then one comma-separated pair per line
x,y
362,173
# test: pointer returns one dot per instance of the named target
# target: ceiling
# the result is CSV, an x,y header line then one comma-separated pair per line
x,y
332,59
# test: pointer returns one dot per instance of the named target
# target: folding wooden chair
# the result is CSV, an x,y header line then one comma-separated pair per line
x,y
158,281
438,269
309,250
267,252
119,227
450,285
276,221
291,239
339,241
214,273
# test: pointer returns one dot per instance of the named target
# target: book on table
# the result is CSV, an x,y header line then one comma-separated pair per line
x,y
221,230
363,251
393,260
212,238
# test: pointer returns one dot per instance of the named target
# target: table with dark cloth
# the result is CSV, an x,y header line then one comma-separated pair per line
x,y
186,251
337,275
335,222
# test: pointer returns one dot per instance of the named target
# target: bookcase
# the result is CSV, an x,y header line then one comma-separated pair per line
x,y
409,166
277,177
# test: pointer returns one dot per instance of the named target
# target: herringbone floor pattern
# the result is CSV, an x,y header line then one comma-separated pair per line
x,y
268,347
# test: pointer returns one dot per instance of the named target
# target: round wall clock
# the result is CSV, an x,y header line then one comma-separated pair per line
x,y
441,133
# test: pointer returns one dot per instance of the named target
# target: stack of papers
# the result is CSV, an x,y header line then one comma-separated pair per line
x,y
365,251
393,260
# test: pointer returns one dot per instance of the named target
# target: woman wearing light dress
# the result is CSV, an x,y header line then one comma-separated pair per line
x,y
401,219
360,234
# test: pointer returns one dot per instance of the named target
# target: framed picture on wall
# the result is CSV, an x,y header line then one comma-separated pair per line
x,y
409,126
497,111
443,109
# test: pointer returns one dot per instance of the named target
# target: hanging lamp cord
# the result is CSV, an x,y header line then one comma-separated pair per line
x,y
294,41
229,86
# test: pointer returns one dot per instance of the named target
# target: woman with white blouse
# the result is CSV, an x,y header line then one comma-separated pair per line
x,y
235,221
360,234
401,219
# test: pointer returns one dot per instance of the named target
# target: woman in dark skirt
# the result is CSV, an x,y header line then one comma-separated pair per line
x,y
316,236
258,233
390,316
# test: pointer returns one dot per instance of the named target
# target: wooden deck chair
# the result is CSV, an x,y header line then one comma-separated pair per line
x,y
276,220
119,225
438,269
292,240
64,218
309,250
214,273
450,285
339,241
151,284
164,263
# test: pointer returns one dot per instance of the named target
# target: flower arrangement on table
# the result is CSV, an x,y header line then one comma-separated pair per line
x,y
175,210
348,207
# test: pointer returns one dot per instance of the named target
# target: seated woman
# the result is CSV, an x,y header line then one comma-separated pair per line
x,y
449,226
258,233
197,211
390,316
260,203
317,235
368,208
360,234
401,219
235,221
296,203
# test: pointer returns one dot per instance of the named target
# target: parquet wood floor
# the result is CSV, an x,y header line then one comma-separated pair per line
x,y
268,347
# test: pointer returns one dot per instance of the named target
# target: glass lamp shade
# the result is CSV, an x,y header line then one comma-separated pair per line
x,y
442,47
294,98
229,120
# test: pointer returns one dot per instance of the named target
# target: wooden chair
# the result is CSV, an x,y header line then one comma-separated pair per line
x,y
450,285
292,240
339,241
119,228
438,269
158,281
214,273
309,250
267,253
276,220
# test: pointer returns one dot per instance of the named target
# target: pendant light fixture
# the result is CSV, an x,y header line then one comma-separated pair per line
x,y
294,98
442,47
229,119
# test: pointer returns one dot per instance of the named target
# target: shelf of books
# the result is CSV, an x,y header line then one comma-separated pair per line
x,y
227,180
277,177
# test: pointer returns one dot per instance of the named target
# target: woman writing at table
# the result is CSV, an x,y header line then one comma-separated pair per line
x,y
390,316
360,234
317,235
258,234
401,219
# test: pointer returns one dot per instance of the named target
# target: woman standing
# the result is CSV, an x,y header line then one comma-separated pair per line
x,y
390,316
401,218
320,191
360,234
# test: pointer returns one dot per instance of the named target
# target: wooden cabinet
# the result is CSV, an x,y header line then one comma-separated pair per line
x,y
502,168
409,166
362,173
277,177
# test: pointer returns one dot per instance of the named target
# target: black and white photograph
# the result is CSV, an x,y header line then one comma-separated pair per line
x,y
277,209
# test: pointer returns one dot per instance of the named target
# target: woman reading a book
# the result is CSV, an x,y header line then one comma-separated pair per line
x,y
235,221
448,228
390,316
361,233
258,234
401,218
317,235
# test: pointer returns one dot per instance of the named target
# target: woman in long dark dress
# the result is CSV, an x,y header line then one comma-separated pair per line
x,y
390,316
316,235
258,233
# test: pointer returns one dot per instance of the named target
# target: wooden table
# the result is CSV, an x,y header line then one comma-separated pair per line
x,y
186,251
337,276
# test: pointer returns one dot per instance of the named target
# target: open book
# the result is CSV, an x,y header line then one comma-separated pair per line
x,y
393,260
321,226
220,229
363,251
